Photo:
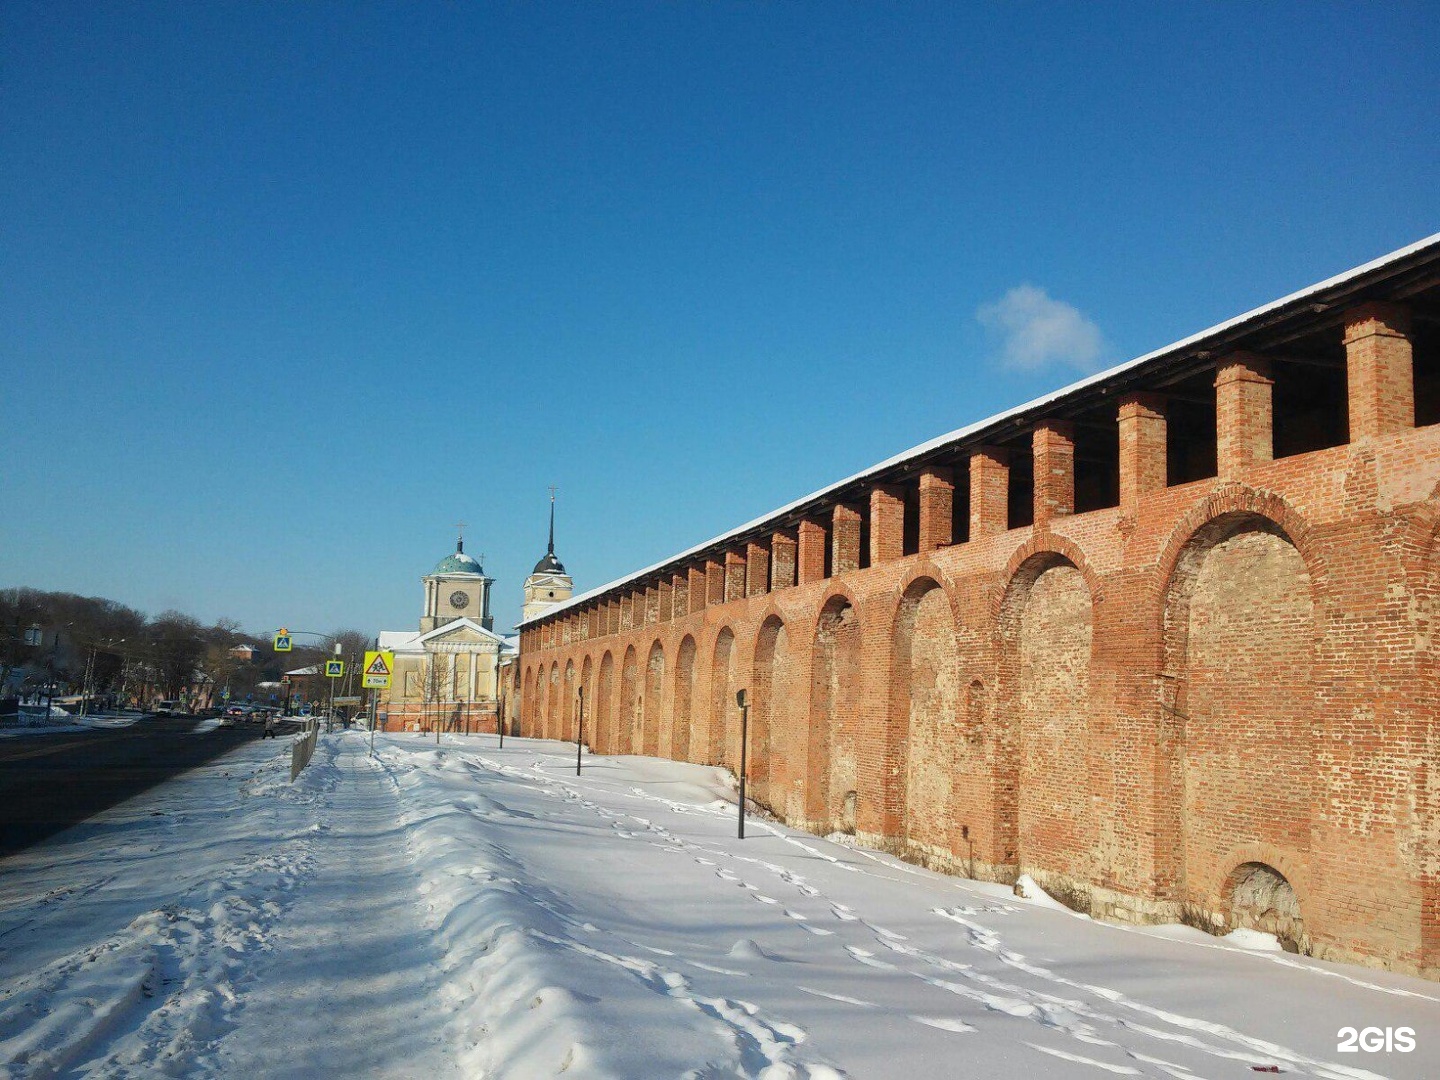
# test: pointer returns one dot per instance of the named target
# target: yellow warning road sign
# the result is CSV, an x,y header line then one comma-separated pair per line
x,y
378,666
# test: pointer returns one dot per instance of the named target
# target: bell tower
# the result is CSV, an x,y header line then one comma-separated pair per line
x,y
456,589
548,584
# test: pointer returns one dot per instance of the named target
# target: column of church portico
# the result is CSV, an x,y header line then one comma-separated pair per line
x,y
845,540
937,507
1053,445
714,582
696,598
989,491
782,561
810,552
1142,448
1243,425
679,596
887,523
1379,364
734,576
757,569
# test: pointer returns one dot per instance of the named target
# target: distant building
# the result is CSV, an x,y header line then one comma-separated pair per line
x,y
446,672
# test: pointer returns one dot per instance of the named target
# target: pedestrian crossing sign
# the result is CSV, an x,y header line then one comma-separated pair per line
x,y
334,669
378,666
282,642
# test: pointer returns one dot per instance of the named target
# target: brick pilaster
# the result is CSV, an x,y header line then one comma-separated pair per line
x,y
782,561
734,575
667,600
810,557
1244,434
679,596
714,582
1379,363
1053,444
627,612
937,507
696,593
845,540
757,569
887,523
989,491
1142,448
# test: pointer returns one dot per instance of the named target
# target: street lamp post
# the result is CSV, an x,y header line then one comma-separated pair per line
x,y
580,731
743,701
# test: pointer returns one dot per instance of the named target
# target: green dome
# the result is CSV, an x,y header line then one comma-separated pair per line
x,y
458,563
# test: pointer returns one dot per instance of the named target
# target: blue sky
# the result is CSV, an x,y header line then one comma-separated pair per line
x,y
288,289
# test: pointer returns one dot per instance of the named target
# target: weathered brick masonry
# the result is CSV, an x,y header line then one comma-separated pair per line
x,y
1165,640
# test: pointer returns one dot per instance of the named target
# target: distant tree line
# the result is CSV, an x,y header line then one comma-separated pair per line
x,y
91,645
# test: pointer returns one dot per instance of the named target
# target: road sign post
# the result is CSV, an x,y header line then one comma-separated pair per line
x,y
379,667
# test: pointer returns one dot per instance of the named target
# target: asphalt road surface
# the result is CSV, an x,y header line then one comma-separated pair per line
x,y
54,781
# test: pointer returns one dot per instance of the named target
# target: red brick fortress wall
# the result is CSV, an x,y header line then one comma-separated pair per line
x,y
1192,677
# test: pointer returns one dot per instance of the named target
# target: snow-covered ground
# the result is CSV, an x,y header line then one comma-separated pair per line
x,y
467,911
33,721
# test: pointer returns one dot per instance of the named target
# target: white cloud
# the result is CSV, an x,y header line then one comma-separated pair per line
x,y
1037,330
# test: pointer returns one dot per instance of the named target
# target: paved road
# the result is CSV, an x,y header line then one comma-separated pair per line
x,y
51,782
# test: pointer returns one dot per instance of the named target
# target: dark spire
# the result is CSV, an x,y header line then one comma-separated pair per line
x,y
550,564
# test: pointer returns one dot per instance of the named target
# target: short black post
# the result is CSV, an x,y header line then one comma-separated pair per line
x,y
743,702
580,732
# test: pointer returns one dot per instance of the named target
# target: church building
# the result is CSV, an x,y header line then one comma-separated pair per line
x,y
447,672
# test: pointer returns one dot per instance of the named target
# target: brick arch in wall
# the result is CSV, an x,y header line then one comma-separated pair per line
x,y
722,699
925,713
771,695
832,769
569,702
1044,822
626,715
682,715
552,702
1420,547
605,735
587,683
1238,694
1231,499
647,740
527,700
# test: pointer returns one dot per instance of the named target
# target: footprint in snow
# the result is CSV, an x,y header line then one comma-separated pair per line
x,y
944,1023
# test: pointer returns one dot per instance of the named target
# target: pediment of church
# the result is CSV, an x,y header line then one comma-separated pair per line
x,y
459,632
